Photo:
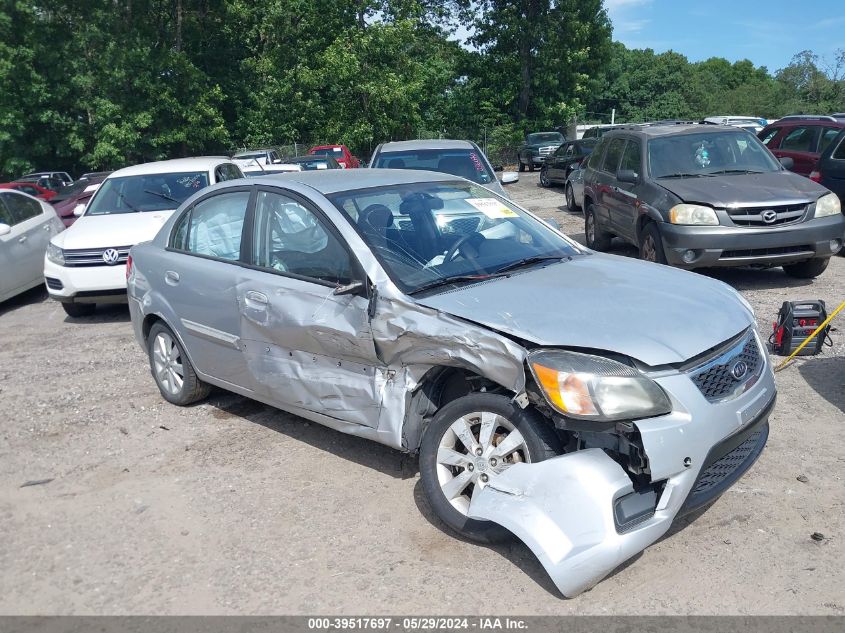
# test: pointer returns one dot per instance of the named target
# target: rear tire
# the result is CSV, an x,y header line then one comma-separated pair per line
x,y
544,178
570,199
447,465
651,244
77,310
172,370
521,165
810,269
596,238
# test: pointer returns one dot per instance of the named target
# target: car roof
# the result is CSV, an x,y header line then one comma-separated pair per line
x,y
328,181
257,150
672,129
176,165
420,144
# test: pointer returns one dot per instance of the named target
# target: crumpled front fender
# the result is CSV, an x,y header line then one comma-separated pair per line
x,y
562,509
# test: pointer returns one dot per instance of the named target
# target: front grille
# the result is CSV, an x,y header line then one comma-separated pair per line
x,y
716,380
777,216
53,283
723,468
804,249
94,256
548,150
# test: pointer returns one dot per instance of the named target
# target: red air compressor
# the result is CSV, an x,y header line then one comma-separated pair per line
x,y
797,320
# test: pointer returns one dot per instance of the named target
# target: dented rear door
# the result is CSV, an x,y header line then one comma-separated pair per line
x,y
306,347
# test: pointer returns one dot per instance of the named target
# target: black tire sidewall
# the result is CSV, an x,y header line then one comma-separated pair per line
x,y
807,270
540,440
570,197
651,229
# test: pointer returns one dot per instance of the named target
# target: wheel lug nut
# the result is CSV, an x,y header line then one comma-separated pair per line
x,y
470,467
493,461
478,451
484,478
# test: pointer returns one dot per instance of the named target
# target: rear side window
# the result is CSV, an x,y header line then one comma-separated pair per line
x,y
801,139
213,227
828,134
632,158
614,153
21,208
839,152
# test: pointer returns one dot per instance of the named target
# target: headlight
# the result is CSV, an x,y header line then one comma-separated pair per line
x,y
595,388
693,214
55,254
828,204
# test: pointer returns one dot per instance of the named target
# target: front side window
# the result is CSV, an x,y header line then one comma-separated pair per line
x,y
769,136
428,233
289,238
147,192
707,154
595,157
214,226
614,153
828,134
466,163
21,208
631,159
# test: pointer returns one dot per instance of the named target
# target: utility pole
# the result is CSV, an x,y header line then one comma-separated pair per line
x,y
613,116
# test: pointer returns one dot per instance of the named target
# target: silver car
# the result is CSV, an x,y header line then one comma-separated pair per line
x,y
577,400
575,189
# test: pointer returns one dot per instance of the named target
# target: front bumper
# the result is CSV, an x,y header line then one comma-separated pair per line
x,y
739,246
86,284
695,453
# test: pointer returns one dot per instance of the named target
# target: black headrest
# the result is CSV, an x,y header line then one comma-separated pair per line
x,y
376,216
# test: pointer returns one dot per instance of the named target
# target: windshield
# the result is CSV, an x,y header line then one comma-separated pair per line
x,y
148,192
433,234
327,151
250,156
708,153
545,137
465,163
310,164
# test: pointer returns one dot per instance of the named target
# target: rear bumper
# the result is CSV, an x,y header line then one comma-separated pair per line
x,y
733,246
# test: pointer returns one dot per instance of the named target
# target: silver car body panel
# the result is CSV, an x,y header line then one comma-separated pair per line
x,y
355,367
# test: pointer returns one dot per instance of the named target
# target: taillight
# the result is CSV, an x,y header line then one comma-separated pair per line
x,y
816,176
128,268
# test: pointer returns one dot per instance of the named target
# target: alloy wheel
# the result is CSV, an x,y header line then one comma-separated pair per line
x,y
167,362
473,451
649,249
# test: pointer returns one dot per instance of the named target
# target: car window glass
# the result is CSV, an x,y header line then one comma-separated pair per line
x,y
631,157
801,139
595,157
466,163
21,208
216,225
828,134
5,215
770,136
560,151
146,192
839,152
570,150
614,152
687,155
291,239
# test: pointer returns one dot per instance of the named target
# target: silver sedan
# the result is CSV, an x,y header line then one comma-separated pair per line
x,y
575,189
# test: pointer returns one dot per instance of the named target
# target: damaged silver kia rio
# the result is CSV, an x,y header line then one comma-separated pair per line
x,y
577,400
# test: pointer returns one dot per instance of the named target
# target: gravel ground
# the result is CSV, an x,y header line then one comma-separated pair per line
x,y
231,507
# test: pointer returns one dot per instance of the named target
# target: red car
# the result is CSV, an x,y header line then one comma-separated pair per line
x,y
801,138
31,188
77,195
340,153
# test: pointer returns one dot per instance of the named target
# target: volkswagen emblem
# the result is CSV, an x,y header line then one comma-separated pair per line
x,y
769,216
739,370
110,256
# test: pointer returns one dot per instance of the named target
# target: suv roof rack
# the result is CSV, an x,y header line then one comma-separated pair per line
x,y
811,117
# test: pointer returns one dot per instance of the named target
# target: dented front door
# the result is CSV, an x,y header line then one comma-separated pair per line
x,y
306,347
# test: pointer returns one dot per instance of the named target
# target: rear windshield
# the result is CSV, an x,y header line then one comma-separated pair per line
x,y
465,163
327,151
312,164
545,137
708,154
150,192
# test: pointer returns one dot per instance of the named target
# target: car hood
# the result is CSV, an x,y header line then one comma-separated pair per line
x,y
778,187
653,313
120,229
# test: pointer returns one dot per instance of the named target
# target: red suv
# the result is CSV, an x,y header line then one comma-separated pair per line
x,y
340,153
802,138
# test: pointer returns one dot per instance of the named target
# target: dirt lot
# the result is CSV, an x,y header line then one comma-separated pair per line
x,y
233,507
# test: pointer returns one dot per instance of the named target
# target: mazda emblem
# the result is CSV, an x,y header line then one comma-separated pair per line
x,y
110,256
739,370
769,216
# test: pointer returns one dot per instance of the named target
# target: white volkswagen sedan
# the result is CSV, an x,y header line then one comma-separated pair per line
x,y
26,226
86,264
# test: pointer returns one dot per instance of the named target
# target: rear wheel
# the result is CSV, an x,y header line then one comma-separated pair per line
x,y
544,178
469,443
76,310
172,370
521,165
597,239
807,270
651,244
570,198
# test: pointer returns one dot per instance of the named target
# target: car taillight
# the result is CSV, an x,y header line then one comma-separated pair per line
x,y
128,268
816,176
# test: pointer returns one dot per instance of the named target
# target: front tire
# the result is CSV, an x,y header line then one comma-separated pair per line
x,y
544,178
570,199
472,438
521,165
77,310
172,370
810,269
651,244
596,238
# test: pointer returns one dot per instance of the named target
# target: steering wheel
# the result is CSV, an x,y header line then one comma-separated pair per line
x,y
456,248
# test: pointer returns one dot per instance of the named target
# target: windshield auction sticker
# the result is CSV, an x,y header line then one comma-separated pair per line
x,y
492,208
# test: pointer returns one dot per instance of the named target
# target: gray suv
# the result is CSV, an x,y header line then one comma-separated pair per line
x,y
696,196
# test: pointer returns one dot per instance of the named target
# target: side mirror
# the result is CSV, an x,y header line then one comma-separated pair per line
x,y
5,229
553,223
349,289
509,177
787,162
79,209
627,175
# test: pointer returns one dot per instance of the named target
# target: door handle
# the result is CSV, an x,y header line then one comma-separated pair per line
x,y
255,299
22,239
46,227
171,277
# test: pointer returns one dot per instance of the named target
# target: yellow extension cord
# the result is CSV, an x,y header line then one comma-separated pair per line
x,y
812,336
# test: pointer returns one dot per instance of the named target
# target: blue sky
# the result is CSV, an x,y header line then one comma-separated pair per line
x,y
768,32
